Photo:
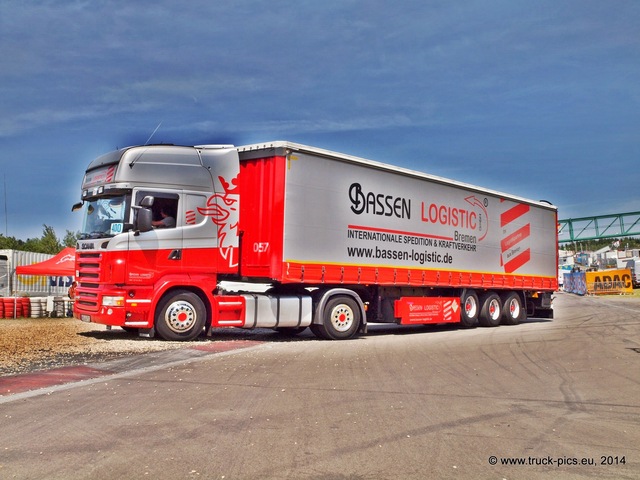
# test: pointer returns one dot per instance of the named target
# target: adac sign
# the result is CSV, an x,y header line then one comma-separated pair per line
x,y
609,282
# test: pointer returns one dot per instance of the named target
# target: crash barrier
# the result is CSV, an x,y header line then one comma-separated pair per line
x,y
609,282
35,307
15,307
575,282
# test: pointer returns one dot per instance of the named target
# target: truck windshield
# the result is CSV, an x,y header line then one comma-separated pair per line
x,y
104,217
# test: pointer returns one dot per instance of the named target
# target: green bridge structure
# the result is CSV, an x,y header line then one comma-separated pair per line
x,y
616,225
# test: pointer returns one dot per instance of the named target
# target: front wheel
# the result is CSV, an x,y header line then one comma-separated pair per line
x,y
340,319
180,316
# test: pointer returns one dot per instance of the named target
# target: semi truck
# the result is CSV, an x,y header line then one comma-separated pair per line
x,y
331,242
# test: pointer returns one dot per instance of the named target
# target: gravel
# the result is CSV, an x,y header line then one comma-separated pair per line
x,y
32,344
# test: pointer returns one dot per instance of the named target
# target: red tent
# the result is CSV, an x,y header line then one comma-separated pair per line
x,y
62,265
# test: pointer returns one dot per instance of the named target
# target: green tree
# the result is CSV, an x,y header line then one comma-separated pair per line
x,y
71,239
11,243
48,243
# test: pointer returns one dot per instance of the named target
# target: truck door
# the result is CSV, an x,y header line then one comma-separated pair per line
x,y
157,253
200,236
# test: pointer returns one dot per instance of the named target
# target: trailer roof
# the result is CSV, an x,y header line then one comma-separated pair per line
x,y
283,147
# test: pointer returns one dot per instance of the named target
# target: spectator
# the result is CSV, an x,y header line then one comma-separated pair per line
x,y
72,290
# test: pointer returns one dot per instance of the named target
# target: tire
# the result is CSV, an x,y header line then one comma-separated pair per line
x,y
512,310
491,311
340,319
470,308
180,316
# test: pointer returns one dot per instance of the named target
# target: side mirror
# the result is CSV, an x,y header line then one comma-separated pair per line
x,y
143,220
77,206
144,216
147,201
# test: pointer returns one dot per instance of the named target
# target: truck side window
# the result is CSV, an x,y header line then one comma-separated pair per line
x,y
164,214
165,208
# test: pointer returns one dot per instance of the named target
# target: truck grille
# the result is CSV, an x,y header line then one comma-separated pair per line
x,y
88,281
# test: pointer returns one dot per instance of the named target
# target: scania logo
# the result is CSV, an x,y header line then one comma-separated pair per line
x,y
87,246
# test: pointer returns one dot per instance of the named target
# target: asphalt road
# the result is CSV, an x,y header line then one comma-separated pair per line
x,y
420,403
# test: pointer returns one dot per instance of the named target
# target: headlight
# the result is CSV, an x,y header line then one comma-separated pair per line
x,y
113,301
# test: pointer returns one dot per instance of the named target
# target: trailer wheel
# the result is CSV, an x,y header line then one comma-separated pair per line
x,y
512,310
491,311
180,316
470,308
340,319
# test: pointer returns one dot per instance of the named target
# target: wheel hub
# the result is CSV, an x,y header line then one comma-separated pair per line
x,y
513,308
342,317
470,307
494,309
180,316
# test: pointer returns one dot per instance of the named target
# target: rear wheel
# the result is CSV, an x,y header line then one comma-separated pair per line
x,y
512,311
470,309
491,311
340,319
181,315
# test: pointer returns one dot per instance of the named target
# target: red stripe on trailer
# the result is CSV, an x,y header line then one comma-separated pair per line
x,y
513,213
399,232
515,238
518,261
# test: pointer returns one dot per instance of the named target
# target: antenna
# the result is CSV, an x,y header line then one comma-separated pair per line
x,y
152,134
6,216
145,144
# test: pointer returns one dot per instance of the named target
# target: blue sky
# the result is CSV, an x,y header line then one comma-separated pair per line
x,y
539,99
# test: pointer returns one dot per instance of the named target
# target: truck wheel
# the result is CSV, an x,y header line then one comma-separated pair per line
x,y
491,311
180,316
340,319
470,308
512,310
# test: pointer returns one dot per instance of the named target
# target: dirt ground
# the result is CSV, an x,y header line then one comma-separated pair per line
x,y
31,344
